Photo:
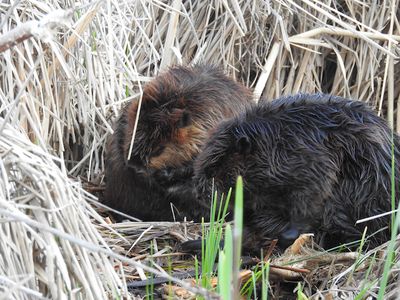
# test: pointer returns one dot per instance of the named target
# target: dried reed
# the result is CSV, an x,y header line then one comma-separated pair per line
x,y
62,95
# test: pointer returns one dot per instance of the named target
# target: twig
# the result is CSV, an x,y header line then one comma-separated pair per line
x,y
300,38
40,29
269,65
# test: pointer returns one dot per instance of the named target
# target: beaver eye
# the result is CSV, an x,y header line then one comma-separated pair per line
x,y
157,151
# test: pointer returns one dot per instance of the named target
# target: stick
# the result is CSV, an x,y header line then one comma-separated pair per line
x,y
40,29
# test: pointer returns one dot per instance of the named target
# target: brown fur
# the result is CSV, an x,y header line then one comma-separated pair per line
x,y
179,108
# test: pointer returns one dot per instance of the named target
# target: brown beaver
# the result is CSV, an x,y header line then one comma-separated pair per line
x,y
179,108
310,163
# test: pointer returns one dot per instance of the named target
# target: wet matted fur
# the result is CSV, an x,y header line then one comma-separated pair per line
x,y
310,163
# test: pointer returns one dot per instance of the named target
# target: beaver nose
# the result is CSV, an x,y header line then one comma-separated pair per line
x,y
288,237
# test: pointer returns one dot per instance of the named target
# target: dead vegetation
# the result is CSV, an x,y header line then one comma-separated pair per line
x,y
59,96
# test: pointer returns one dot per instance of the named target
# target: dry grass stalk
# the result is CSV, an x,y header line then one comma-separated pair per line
x,y
112,49
46,218
37,201
41,29
64,95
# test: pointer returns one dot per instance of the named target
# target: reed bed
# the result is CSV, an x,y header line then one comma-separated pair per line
x,y
61,89
48,239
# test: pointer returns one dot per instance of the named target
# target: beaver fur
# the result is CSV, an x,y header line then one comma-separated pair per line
x,y
179,107
310,163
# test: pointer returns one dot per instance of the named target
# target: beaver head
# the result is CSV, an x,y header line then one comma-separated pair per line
x,y
177,109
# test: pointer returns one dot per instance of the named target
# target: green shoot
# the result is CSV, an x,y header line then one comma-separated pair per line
x,y
265,278
237,236
225,265
211,238
229,258
394,228
300,294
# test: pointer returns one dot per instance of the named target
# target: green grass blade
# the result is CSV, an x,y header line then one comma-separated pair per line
x,y
225,266
237,236
390,252
265,280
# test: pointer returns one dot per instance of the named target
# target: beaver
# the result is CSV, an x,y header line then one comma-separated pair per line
x,y
311,163
179,107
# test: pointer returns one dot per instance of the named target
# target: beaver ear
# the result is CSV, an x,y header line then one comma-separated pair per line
x,y
243,145
184,120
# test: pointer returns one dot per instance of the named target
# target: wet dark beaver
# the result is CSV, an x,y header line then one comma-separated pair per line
x,y
179,108
310,163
